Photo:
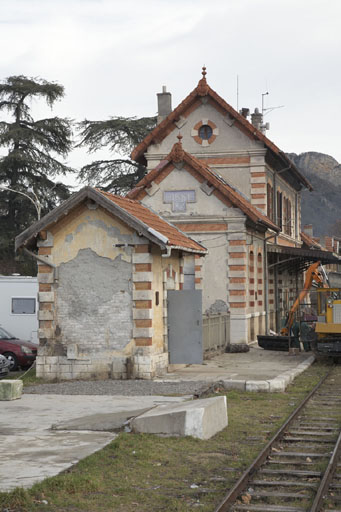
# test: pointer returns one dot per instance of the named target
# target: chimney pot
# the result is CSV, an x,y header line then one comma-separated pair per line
x,y
257,119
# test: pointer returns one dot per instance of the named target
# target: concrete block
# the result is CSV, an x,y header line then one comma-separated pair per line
x,y
139,277
143,294
198,418
143,332
45,315
46,296
142,257
46,333
51,359
46,278
142,314
277,385
10,389
257,385
234,384
285,377
237,261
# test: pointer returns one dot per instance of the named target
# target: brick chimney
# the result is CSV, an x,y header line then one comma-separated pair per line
x,y
329,243
164,104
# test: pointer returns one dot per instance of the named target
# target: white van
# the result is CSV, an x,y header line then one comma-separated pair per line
x,y
19,306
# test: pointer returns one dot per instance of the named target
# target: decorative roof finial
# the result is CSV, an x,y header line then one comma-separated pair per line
x,y
177,154
203,88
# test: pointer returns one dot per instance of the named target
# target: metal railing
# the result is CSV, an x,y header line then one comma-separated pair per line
x,y
216,333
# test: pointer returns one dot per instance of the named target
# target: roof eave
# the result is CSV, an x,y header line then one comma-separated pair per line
x,y
54,216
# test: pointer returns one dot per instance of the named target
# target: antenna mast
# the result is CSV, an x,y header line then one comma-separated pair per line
x,y
237,93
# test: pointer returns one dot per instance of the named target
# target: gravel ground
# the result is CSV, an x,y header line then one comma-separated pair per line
x,y
120,387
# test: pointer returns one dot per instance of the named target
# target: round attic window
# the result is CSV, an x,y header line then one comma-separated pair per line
x,y
205,132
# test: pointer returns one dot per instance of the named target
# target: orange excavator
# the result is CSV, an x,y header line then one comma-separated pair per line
x,y
313,275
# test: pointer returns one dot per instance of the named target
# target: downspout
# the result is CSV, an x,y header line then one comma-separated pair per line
x,y
168,252
45,261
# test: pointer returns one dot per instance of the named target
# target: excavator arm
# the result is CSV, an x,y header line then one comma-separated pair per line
x,y
313,275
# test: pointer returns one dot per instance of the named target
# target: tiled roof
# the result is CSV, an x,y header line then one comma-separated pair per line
x,y
176,238
212,177
203,89
310,242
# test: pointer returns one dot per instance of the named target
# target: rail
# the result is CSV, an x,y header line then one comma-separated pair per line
x,y
243,481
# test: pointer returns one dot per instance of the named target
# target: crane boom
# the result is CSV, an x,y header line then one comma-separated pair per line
x,y
313,275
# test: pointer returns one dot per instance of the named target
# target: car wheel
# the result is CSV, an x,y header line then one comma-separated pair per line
x,y
12,358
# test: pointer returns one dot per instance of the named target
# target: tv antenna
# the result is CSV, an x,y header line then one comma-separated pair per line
x,y
268,109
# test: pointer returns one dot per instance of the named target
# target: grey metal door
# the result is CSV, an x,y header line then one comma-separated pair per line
x,y
185,326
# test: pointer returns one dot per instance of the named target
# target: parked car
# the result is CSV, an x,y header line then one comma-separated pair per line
x,y
18,352
4,366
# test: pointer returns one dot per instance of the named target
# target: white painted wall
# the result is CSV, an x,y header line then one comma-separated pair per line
x,y
23,326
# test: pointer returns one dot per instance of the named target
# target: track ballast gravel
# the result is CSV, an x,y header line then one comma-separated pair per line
x,y
120,387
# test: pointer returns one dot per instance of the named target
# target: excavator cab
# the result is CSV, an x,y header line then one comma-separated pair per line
x,y
328,326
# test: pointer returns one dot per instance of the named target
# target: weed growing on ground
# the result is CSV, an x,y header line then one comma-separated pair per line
x,y
140,472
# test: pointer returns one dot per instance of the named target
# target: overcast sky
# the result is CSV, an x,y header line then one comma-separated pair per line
x,y
113,56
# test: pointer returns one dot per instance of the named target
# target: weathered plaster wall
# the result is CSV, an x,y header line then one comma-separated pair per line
x,y
94,304
92,308
205,220
229,138
180,179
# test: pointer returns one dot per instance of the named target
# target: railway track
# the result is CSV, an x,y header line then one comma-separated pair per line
x,y
299,470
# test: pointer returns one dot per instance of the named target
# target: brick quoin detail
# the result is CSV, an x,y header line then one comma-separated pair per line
x,y
237,242
45,251
237,255
143,286
143,342
45,269
143,267
142,248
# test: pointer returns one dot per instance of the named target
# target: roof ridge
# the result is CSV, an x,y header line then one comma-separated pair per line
x,y
203,89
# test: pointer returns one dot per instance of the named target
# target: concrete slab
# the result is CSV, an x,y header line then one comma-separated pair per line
x,y
199,418
25,430
250,371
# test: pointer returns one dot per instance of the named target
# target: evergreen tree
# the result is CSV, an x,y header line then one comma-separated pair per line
x,y
120,135
29,152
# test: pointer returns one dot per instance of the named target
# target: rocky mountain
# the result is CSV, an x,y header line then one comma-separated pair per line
x,y
322,206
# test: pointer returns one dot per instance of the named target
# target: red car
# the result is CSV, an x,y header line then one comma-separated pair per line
x,y
18,352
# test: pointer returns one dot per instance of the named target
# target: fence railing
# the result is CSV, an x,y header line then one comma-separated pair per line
x,y
216,333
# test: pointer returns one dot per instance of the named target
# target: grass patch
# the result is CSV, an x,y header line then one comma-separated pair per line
x,y
140,473
29,377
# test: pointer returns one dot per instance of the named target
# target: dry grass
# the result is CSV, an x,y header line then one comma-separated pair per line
x,y
143,473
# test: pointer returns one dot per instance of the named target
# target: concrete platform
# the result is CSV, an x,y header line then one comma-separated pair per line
x,y
199,418
31,451
256,370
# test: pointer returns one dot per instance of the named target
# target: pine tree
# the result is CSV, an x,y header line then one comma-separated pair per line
x,y
120,135
29,152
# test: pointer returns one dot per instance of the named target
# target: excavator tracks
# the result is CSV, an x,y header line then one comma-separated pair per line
x,y
300,468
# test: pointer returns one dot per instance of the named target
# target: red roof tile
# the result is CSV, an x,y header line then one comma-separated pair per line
x,y
212,177
310,242
203,89
176,238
